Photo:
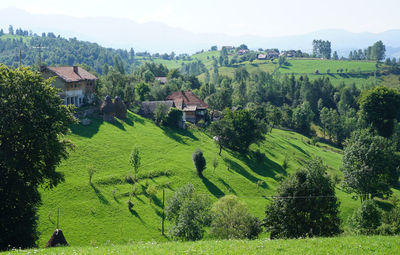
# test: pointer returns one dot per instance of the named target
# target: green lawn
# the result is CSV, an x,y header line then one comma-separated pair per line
x,y
98,213
308,66
314,246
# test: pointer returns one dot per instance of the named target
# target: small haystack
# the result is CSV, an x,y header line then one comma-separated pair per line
x,y
57,239
107,108
120,108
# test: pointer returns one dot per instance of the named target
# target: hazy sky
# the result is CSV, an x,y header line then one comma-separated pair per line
x,y
248,17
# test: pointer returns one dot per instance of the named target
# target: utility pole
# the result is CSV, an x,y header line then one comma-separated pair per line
x,y
162,226
39,47
58,215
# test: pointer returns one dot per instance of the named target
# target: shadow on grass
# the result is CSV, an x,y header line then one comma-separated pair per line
x,y
240,170
384,205
177,134
128,121
117,124
299,149
102,199
134,118
227,186
89,130
212,187
134,213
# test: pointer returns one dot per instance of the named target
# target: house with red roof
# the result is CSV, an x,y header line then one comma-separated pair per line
x,y
76,84
194,109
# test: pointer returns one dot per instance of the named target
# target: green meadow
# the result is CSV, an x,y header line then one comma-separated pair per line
x,y
98,213
314,246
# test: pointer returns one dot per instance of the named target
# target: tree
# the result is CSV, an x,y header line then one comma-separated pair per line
x,y
173,118
11,30
231,219
160,113
33,123
378,51
214,48
305,205
380,107
199,162
134,160
367,218
241,74
302,117
237,130
369,165
1,32
335,55
142,90
189,213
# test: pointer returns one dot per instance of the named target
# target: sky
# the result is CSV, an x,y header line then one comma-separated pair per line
x,y
250,17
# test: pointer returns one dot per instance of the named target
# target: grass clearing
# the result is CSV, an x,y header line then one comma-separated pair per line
x,y
313,246
99,212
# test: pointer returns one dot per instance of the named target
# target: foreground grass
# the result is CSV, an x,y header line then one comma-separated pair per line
x,y
338,245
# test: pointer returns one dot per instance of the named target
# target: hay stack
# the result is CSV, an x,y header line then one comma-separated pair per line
x,y
120,108
107,109
57,239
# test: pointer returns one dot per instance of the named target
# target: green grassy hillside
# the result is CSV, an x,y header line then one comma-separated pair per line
x,y
98,213
338,245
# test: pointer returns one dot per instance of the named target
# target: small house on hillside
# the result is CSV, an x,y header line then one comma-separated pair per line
x,y
75,82
162,80
148,108
194,109
262,56
242,52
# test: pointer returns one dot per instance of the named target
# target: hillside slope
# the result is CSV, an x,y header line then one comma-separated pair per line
x,y
98,213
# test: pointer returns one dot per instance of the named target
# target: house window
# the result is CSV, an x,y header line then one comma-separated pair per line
x,y
68,100
72,100
80,100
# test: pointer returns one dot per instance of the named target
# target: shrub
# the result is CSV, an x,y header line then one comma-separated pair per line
x,y
199,162
151,191
160,114
189,213
259,156
231,219
305,205
285,163
130,204
91,171
390,222
367,218
215,163
173,118
129,179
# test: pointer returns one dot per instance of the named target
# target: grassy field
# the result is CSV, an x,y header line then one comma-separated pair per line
x,y
94,214
308,66
339,245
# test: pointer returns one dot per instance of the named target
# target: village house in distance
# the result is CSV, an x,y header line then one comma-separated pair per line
x,y
193,108
76,83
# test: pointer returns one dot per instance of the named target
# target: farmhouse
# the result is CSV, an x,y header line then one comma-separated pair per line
x,y
262,56
76,83
242,52
194,109
161,79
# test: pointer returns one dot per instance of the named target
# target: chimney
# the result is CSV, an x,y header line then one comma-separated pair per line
x,y
75,69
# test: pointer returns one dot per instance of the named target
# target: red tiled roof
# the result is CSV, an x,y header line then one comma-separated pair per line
x,y
188,99
67,73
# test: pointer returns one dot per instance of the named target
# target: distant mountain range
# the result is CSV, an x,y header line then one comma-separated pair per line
x,y
159,37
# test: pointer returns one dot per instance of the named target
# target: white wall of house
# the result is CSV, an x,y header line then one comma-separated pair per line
x,y
74,97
